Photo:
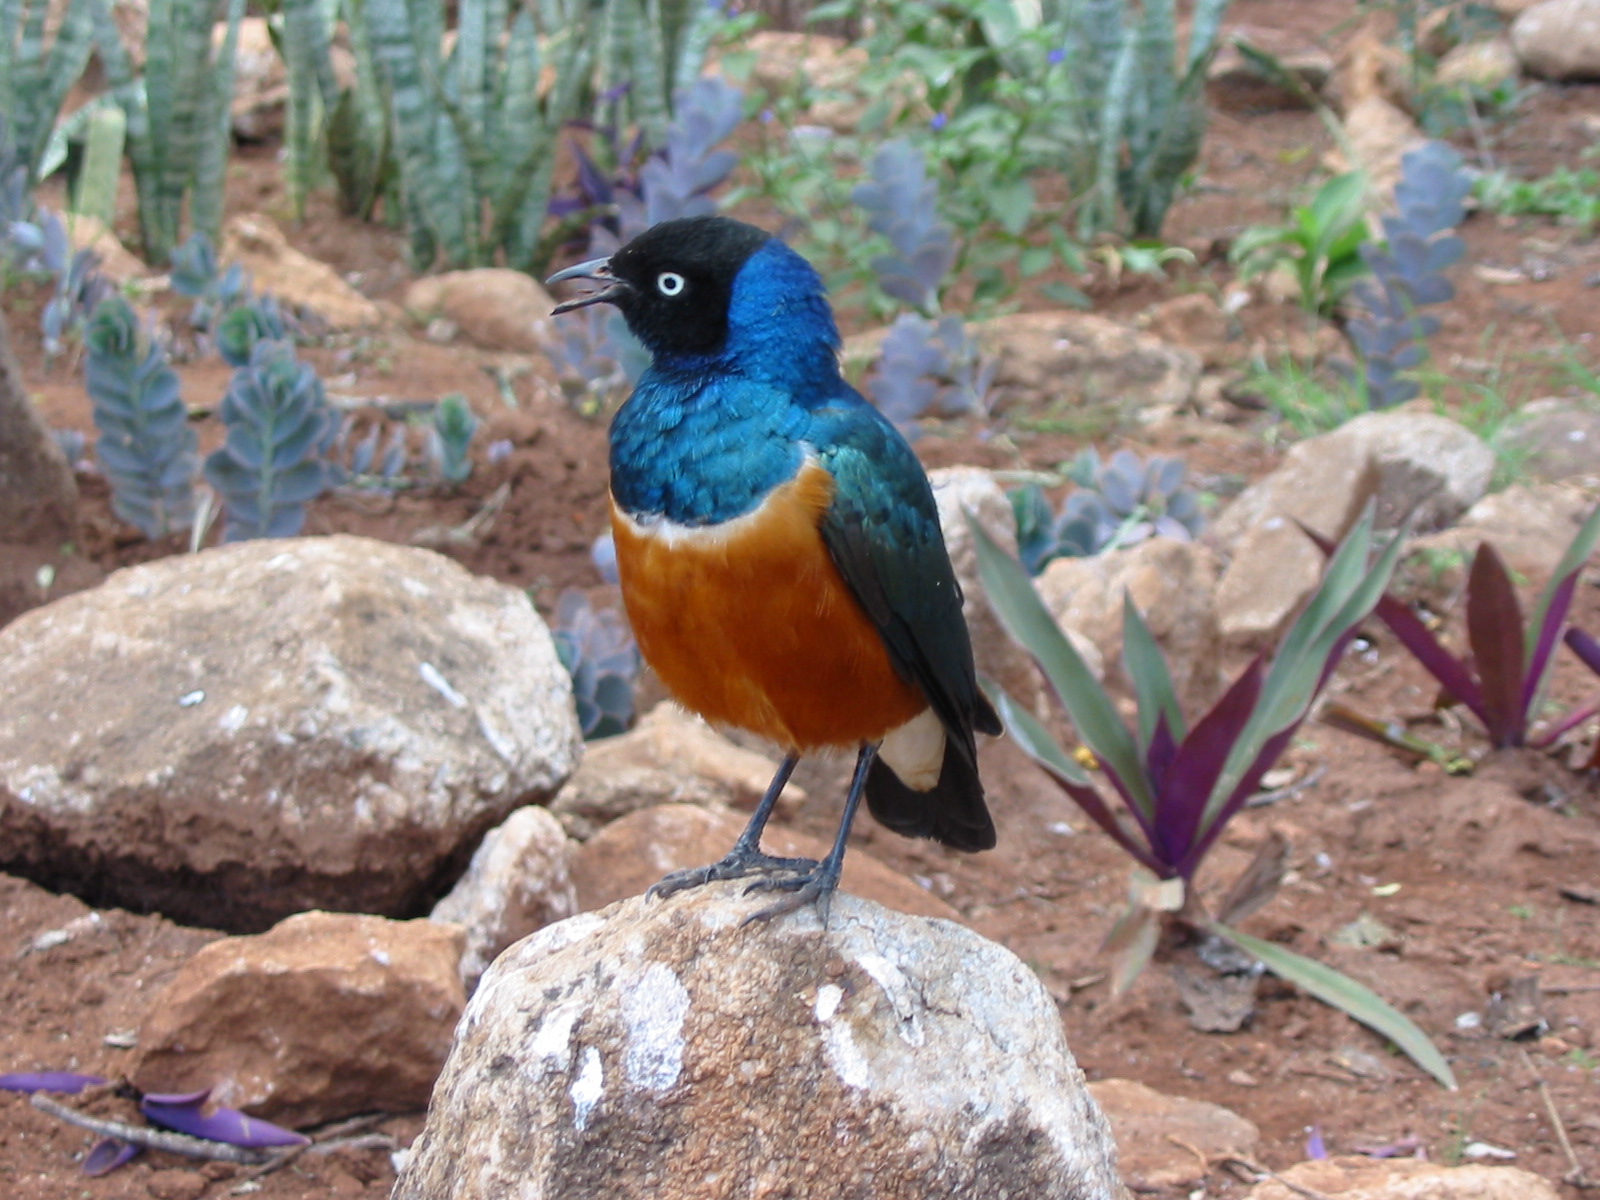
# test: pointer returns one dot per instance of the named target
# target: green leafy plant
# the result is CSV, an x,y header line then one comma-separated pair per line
x,y
94,193
1321,244
179,119
35,77
280,428
450,437
146,447
1572,195
1179,784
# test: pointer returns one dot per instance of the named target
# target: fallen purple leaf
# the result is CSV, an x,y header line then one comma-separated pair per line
x,y
109,1154
1315,1146
67,1082
184,1112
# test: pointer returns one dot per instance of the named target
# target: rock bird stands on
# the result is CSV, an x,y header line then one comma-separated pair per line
x,y
779,548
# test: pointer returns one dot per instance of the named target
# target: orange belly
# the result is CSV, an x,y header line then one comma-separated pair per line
x,y
750,624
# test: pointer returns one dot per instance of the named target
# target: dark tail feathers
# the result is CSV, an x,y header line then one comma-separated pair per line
x,y
952,811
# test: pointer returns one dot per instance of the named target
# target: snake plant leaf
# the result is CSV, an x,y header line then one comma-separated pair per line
x,y
1340,991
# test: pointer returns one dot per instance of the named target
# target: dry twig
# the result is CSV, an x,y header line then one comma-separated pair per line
x,y
155,1139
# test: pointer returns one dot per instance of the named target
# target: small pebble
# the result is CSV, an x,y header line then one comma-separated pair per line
x,y
176,1185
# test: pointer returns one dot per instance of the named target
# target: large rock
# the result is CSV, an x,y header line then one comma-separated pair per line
x,y
971,491
1166,1142
519,881
1559,39
270,726
1378,134
626,857
323,1016
1415,465
669,757
493,307
1083,360
1529,526
664,1050
1357,1178
1556,439
1173,583
257,244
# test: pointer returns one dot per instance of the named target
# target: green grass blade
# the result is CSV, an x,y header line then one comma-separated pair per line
x,y
1091,710
1340,991
1152,681
1034,739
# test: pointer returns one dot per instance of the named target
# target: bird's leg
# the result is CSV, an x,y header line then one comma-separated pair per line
x,y
818,885
745,858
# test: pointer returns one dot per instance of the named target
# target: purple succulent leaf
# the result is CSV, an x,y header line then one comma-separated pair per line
x,y
1495,633
67,1082
109,1154
1182,804
185,1113
1451,672
1585,647
1555,616
1159,757
1248,782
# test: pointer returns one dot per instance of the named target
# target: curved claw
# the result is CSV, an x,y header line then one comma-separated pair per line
x,y
735,866
816,887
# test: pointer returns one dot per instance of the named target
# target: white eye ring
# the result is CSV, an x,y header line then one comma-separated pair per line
x,y
670,283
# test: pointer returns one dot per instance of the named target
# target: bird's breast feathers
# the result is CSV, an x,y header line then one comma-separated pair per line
x,y
749,622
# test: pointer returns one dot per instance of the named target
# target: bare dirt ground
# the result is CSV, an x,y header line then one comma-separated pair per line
x,y
1478,881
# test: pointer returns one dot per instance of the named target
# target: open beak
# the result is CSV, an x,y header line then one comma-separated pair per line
x,y
599,270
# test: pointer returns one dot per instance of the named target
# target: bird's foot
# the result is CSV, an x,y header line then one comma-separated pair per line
x,y
738,865
814,887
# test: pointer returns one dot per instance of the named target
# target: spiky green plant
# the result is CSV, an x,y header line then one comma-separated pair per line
x,y
1132,107
178,115
104,134
474,137
146,447
651,48
35,77
450,437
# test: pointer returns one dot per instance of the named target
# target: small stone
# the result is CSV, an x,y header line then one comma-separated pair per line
x,y
1242,1079
1559,40
176,1185
519,881
493,307
1360,1178
323,1016
1167,1141
1477,64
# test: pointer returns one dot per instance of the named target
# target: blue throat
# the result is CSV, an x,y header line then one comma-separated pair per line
x,y
705,437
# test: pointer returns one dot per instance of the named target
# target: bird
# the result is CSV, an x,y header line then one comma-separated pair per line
x,y
779,549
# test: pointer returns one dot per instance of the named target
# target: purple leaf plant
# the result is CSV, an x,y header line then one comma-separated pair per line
x,y
1501,677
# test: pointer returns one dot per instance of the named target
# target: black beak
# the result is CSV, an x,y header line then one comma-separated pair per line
x,y
599,270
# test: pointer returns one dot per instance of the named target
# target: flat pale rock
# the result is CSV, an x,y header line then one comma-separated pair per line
x,y
233,736
255,242
664,1051
1149,1125
1529,525
1082,360
493,307
519,881
1559,39
323,1016
628,856
670,757
1358,1178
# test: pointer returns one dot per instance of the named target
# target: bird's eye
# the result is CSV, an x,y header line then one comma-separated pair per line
x,y
669,283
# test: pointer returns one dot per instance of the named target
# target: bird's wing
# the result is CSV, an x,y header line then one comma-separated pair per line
x,y
882,531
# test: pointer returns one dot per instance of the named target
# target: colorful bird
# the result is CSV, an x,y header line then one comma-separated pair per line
x,y
778,545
